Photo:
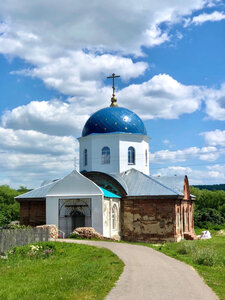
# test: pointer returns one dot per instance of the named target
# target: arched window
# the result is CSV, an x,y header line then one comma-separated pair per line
x,y
178,219
184,219
146,157
131,156
105,155
85,157
114,217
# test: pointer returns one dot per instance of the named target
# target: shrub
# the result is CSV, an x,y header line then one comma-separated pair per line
x,y
36,250
75,236
205,257
207,217
186,247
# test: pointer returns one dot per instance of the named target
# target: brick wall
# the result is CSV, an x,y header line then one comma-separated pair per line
x,y
148,220
33,212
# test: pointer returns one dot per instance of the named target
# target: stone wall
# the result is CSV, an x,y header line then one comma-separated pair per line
x,y
18,237
33,212
145,219
148,220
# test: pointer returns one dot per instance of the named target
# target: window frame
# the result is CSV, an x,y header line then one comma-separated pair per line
x,y
105,155
85,157
131,156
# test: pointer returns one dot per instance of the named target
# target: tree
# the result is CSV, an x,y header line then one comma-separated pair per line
x,y
9,207
209,207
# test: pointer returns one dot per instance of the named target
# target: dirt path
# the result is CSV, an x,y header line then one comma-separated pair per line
x,y
149,274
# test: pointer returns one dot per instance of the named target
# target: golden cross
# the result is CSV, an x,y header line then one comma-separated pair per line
x,y
113,77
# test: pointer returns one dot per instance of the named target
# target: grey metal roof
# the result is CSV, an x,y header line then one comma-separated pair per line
x,y
133,181
39,192
74,184
136,183
175,182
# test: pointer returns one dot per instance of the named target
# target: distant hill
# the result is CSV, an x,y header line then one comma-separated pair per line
x,y
212,187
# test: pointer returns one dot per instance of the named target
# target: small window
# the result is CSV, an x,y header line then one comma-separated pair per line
x,y
105,155
114,217
131,156
146,157
178,219
85,157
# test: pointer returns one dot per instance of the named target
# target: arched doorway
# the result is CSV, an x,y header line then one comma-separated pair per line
x,y
78,219
74,213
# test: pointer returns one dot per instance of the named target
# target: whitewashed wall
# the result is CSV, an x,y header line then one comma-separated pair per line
x,y
96,221
108,230
118,144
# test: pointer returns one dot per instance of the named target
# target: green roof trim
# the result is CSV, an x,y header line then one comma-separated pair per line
x,y
109,194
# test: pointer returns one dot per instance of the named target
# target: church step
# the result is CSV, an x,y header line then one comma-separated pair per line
x,y
190,236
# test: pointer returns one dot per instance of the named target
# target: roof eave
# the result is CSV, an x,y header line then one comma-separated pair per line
x,y
30,199
156,196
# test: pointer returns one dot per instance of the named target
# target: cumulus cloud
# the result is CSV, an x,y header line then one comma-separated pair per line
x,y
161,97
110,25
81,73
31,169
214,174
28,141
215,103
214,138
204,153
73,47
28,157
213,17
51,117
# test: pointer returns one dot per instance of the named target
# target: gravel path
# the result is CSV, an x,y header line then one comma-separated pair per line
x,y
149,274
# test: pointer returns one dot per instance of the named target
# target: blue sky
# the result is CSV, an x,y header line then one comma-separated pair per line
x,y
54,60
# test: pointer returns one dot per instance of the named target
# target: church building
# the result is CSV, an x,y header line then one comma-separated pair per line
x,y
113,192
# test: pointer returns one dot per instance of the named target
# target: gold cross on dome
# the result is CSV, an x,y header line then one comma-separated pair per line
x,y
113,99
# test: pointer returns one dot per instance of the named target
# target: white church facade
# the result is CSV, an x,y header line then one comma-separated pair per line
x,y
113,192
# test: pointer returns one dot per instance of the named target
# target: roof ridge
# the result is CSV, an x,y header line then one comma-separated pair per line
x,y
156,181
167,187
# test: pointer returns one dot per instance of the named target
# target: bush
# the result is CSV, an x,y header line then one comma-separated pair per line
x,y
75,236
186,247
206,257
35,250
208,217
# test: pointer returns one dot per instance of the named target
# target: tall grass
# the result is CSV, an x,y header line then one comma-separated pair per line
x,y
58,271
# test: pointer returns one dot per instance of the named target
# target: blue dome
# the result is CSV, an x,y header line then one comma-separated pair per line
x,y
114,120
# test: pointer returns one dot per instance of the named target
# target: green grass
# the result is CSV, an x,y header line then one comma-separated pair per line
x,y
66,271
206,256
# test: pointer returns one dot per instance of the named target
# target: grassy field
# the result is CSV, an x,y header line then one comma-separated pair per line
x,y
58,271
206,256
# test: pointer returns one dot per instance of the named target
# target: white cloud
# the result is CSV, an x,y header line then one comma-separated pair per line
x,y
214,174
66,44
51,117
81,74
161,97
214,138
213,17
97,25
28,157
28,141
31,169
204,153
215,103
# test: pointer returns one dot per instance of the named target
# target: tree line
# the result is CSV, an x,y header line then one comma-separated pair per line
x,y
209,208
9,207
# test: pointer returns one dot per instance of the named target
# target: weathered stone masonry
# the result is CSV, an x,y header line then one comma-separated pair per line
x,y
152,219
